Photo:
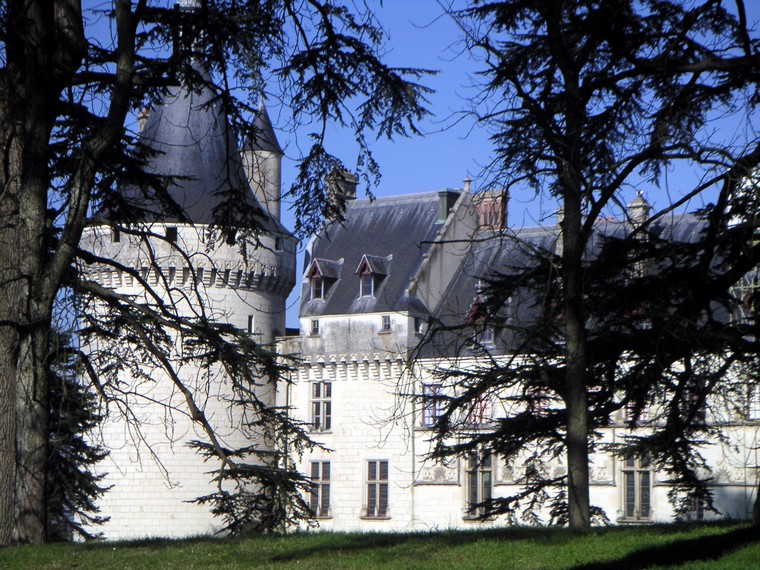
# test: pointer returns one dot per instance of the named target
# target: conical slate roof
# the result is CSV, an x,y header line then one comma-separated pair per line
x,y
262,137
192,141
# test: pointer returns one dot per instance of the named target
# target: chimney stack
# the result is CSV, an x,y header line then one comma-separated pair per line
x,y
342,184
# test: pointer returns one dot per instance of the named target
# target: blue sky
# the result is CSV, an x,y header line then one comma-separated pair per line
x,y
453,146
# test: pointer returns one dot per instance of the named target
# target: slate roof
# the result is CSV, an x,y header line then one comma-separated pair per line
x,y
509,251
191,140
392,235
262,136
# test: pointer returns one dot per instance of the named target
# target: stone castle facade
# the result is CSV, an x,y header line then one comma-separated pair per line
x,y
370,286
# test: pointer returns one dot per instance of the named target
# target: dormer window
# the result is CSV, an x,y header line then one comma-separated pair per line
x,y
371,271
367,285
317,287
322,275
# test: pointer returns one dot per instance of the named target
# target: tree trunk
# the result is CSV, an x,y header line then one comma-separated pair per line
x,y
9,346
44,46
576,398
31,439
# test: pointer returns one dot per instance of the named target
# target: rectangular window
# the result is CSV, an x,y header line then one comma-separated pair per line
x,y
321,406
171,234
377,489
479,412
319,498
432,404
250,324
366,285
694,509
753,402
115,235
317,288
314,330
479,481
537,398
386,323
485,337
420,325
633,417
637,482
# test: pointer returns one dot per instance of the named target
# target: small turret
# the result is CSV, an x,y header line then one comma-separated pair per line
x,y
262,161
638,210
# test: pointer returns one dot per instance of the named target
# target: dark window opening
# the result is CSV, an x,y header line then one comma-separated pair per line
x,y
377,489
319,499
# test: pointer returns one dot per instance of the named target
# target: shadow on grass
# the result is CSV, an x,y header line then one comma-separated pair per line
x,y
353,543
698,549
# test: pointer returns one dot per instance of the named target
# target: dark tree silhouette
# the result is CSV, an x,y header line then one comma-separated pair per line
x,y
65,98
588,100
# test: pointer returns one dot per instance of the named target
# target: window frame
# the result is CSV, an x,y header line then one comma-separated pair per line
x,y
314,327
479,412
317,288
752,402
432,404
377,489
366,282
478,483
320,492
321,406
486,337
637,482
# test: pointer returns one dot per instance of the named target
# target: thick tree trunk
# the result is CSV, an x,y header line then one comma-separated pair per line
x,y
576,398
31,439
12,292
44,46
10,295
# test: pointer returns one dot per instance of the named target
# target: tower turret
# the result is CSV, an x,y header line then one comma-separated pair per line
x,y
166,257
262,160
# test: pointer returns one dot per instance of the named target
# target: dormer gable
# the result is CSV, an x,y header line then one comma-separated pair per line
x,y
322,275
372,270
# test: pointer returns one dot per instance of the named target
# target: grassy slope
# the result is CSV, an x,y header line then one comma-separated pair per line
x,y
675,546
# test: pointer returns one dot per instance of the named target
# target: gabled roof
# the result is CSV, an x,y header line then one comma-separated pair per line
x,y
391,235
375,264
325,268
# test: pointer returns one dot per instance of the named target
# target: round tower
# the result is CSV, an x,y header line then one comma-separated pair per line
x,y
262,161
172,256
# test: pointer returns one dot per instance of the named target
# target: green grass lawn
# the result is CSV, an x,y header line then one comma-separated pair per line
x,y
663,546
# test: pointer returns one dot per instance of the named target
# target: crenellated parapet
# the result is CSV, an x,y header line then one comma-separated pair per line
x,y
350,367
186,261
